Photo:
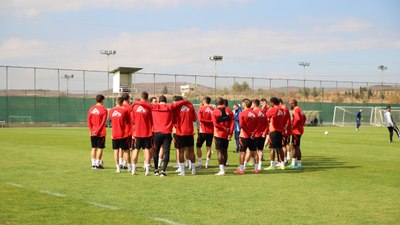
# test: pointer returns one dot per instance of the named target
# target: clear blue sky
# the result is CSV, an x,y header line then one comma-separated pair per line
x,y
344,40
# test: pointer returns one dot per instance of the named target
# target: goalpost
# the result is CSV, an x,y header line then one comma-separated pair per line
x,y
378,118
346,115
19,119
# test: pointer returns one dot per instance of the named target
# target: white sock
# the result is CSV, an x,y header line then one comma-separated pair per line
x,y
182,167
288,155
241,167
124,163
208,161
193,166
117,167
93,162
200,161
187,163
222,168
159,162
293,162
147,166
285,160
134,167
120,161
299,162
272,163
259,165
244,166
256,166
129,167
190,165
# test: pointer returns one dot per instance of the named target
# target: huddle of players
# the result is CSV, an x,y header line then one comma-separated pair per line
x,y
135,126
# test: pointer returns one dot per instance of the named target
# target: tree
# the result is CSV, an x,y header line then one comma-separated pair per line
x,y
245,86
164,90
314,92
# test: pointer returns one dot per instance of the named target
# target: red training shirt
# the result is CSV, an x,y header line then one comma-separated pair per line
x,y
185,116
205,119
262,122
119,120
248,123
129,128
276,118
287,121
142,117
299,119
223,129
97,117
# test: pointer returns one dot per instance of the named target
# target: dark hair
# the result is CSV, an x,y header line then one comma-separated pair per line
x,y
256,102
388,107
178,98
274,100
294,101
207,99
219,101
280,100
226,103
263,100
144,95
247,102
125,96
162,98
99,98
120,100
152,98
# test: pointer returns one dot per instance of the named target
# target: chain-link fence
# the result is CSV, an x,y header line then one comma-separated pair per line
x,y
55,95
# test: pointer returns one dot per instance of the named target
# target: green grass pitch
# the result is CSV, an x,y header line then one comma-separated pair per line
x,y
348,177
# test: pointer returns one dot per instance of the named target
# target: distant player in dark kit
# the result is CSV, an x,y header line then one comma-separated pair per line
x,y
358,119
119,119
97,117
236,110
390,124
222,118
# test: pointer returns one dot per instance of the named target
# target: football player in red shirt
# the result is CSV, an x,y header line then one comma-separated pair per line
x,y
119,119
223,123
287,131
276,118
298,121
206,130
248,124
260,135
97,117
141,114
128,130
185,116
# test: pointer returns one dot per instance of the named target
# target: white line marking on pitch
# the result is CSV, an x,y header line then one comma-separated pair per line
x,y
15,185
103,205
166,221
53,193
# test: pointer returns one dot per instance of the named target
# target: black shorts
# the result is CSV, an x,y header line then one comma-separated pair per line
x,y
285,140
221,143
201,138
98,142
164,140
120,144
176,144
185,141
143,143
275,140
247,143
296,140
260,141
129,141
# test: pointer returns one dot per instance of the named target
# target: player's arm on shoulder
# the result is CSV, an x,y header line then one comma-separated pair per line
x,y
179,103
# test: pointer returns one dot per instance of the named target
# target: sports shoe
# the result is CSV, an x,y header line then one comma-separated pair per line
x,y
178,170
146,173
134,172
125,167
181,174
156,173
100,167
256,171
121,167
206,166
163,174
239,172
94,167
270,168
220,173
117,171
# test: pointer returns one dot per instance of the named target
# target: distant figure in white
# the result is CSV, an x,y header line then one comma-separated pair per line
x,y
390,124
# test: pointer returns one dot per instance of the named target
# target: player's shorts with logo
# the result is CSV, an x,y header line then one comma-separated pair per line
x,y
296,140
245,143
185,141
143,143
201,138
221,143
120,144
275,139
98,142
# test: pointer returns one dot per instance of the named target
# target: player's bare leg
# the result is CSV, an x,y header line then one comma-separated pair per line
x,y
147,158
222,159
260,156
135,157
120,158
247,158
99,158
116,159
271,159
127,159
181,158
242,157
160,156
93,157
192,157
208,155
200,156
254,154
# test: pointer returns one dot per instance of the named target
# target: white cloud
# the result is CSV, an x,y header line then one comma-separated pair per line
x,y
29,8
15,48
350,25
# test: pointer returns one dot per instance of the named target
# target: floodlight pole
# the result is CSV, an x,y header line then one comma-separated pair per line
x,y
382,68
67,77
215,58
304,64
108,53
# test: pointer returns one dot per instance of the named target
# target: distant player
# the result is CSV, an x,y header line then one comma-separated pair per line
x,y
287,132
223,123
390,124
236,110
298,121
264,105
185,116
260,135
143,133
358,119
248,124
128,130
119,119
206,130
97,117
276,117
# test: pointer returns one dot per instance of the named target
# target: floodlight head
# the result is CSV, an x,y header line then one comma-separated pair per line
x,y
216,58
304,64
382,67
72,76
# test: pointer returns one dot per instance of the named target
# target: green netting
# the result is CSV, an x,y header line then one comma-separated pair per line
x,y
73,110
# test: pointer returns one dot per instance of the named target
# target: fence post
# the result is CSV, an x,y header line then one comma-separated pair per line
x,y
154,84
175,84
252,86
34,94
8,113
59,96
287,89
195,87
84,96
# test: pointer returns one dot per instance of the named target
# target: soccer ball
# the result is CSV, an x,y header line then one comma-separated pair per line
x,y
326,132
